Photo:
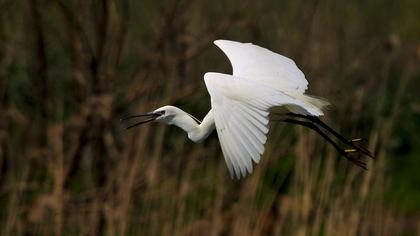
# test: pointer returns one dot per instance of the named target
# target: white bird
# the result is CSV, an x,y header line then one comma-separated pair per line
x,y
241,104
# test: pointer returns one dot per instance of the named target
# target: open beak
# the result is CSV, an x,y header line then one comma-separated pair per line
x,y
148,117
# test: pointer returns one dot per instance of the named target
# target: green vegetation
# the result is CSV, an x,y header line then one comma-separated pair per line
x,y
70,69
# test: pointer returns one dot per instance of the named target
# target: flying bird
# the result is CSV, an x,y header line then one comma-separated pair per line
x,y
242,102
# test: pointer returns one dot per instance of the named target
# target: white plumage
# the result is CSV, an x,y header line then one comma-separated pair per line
x,y
263,66
241,103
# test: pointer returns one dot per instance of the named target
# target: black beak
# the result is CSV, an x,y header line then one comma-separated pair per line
x,y
149,117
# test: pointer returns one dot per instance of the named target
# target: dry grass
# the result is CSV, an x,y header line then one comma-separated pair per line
x,y
70,70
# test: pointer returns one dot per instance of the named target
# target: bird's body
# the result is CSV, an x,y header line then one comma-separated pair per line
x,y
241,103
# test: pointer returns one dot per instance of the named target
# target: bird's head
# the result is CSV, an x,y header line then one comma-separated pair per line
x,y
164,114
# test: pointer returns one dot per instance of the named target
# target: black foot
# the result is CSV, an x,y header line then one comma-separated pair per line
x,y
355,144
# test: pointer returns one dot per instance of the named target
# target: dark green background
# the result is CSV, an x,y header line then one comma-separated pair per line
x,y
70,69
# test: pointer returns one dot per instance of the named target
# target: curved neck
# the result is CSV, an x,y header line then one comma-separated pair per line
x,y
196,132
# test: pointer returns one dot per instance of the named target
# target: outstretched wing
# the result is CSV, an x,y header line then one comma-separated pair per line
x,y
264,66
241,108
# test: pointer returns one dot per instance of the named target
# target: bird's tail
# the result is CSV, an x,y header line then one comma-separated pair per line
x,y
313,105
318,104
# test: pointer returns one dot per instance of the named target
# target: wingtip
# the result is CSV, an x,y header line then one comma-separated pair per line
x,y
220,42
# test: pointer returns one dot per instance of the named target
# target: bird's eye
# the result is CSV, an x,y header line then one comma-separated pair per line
x,y
161,113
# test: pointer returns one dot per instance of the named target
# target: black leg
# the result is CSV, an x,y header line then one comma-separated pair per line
x,y
346,153
351,143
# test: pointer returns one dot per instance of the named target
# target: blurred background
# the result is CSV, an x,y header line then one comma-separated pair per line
x,y
69,69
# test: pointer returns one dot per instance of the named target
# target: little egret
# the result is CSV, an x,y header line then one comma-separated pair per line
x,y
241,104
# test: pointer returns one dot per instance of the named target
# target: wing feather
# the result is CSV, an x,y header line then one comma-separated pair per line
x,y
237,156
255,134
225,141
241,108
257,63
240,102
244,138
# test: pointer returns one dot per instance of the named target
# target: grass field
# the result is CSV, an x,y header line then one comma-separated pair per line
x,y
69,70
